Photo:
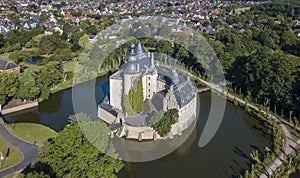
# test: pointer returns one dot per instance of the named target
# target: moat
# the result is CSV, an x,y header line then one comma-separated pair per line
x,y
225,156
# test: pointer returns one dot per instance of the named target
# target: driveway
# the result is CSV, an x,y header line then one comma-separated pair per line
x,y
28,150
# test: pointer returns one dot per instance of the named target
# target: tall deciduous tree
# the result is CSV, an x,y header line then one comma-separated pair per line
x,y
72,154
47,45
28,88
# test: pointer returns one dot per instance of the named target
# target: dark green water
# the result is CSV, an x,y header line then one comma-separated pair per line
x,y
225,156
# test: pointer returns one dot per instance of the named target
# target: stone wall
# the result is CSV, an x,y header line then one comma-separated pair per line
x,y
160,86
106,116
19,108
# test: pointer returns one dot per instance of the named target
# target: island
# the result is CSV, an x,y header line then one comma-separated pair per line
x,y
146,97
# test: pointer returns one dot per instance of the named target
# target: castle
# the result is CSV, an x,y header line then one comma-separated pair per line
x,y
163,89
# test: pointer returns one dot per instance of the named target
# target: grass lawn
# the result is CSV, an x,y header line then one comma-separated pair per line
x,y
69,66
62,86
30,66
31,132
13,158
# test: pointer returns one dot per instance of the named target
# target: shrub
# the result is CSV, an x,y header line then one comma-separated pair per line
x,y
164,125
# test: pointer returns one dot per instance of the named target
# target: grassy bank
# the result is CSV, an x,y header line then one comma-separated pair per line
x,y
12,159
31,132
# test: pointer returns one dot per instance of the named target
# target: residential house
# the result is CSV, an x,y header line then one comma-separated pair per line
x,y
9,67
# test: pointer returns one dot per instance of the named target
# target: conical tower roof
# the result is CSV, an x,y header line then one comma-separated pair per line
x,y
139,48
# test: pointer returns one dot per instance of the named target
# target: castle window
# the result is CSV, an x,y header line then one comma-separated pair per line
x,y
148,96
149,84
149,78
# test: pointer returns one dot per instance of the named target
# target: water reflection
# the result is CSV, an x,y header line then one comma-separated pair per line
x,y
225,156
55,111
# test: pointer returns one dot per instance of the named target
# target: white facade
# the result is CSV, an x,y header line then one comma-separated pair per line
x,y
186,113
129,81
115,89
149,85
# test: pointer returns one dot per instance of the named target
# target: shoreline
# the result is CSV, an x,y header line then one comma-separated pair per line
x,y
35,104
19,108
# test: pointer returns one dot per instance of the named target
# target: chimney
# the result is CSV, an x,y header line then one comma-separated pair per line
x,y
138,67
152,59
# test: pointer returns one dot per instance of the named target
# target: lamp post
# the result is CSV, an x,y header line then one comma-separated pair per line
x,y
1,159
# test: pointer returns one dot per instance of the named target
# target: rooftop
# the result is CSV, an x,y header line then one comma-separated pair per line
x,y
7,65
184,92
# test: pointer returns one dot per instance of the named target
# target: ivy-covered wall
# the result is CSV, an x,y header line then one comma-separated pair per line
x,y
136,98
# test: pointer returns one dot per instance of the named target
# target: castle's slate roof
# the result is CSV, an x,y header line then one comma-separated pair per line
x,y
166,75
183,89
137,61
184,92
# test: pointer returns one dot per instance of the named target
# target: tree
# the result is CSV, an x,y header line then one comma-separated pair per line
x,y
268,151
9,84
75,36
28,88
268,38
84,40
271,23
72,154
288,40
23,55
267,74
164,124
48,76
182,54
255,156
165,47
65,54
85,24
47,44
54,70
2,100
92,30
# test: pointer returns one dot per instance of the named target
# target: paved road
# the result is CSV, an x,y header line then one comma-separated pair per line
x,y
29,151
289,145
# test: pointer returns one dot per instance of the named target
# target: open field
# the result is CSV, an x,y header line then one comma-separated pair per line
x,y
31,132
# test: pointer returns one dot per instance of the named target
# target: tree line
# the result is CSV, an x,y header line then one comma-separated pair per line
x,y
31,84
